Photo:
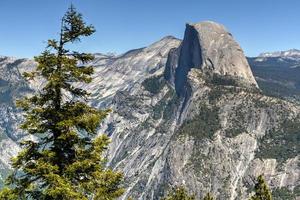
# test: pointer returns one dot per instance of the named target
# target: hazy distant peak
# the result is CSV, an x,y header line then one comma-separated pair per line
x,y
292,53
169,37
164,41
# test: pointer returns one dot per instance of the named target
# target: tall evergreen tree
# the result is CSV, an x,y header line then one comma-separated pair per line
x,y
262,191
65,160
208,196
179,193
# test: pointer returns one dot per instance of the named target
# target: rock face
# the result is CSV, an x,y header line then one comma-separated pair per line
x,y
210,47
112,75
214,136
12,86
174,122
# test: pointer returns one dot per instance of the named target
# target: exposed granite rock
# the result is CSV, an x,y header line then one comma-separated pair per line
x,y
212,137
210,47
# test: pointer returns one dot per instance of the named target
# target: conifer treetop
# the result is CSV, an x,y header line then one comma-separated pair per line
x,y
261,189
65,161
179,193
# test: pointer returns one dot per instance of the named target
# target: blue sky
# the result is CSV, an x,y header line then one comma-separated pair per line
x,y
258,25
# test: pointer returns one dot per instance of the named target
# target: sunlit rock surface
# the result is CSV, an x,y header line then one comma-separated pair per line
x,y
173,123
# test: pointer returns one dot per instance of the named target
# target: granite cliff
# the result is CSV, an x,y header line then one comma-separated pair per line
x,y
184,113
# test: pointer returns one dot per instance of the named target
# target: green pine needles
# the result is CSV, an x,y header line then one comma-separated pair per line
x,y
65,160
179,193
262,191
208,196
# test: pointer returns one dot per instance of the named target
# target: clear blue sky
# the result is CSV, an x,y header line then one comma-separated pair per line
x,y
258,25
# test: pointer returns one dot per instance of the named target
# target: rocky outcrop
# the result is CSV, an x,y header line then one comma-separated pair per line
x,y
210,47
215,136
12,86
113,73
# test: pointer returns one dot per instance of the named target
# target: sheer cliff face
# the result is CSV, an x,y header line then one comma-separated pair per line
x,y
210,47
175,123
215,135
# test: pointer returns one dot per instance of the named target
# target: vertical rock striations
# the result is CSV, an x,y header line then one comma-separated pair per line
x,y
184,113
210,47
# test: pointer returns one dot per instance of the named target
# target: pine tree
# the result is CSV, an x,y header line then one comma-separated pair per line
x,y
179,193
208,196
65,160
262,191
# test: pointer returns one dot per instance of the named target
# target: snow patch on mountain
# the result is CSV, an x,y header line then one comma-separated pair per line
x,y
293,54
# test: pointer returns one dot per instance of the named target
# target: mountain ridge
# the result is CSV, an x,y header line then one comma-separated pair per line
x,y
210,47
285,53
221,142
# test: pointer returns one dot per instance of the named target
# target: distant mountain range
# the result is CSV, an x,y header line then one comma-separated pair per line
x,y
278,73
292,54
189,112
